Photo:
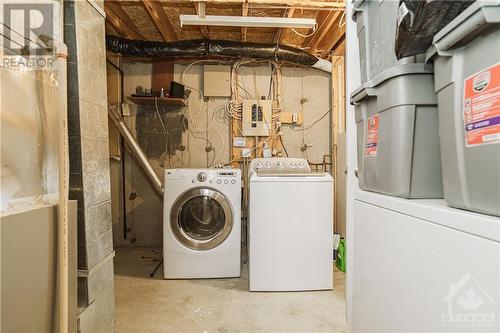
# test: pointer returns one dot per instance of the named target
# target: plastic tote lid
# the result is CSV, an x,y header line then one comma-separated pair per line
x,y
465,26
367,89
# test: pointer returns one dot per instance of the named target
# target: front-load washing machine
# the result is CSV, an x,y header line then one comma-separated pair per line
x,y
202,223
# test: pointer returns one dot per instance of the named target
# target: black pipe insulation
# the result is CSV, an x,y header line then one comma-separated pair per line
x,y
201,48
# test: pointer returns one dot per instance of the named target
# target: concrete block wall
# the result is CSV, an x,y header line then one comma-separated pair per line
x,y
89,156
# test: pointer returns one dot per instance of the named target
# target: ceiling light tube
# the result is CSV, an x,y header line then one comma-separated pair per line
x,y
248,21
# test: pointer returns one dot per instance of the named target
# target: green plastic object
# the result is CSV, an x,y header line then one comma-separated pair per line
x,y
340,262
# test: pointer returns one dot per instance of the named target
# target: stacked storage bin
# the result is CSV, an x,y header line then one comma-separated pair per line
x,y
466,56
396,111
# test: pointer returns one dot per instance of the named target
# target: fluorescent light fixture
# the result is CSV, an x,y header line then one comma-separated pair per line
x,y
248,21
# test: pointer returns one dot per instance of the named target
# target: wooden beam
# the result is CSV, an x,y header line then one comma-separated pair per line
x,y
328,45
244,12
299,3
122,23
305,4
326,27
278,36
199,8
340,49
321,17
162,23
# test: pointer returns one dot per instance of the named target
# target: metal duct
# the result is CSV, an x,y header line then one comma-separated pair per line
x,y
137,151
203,48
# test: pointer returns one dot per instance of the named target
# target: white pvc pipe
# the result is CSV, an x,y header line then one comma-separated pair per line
x,y
62,221
62,212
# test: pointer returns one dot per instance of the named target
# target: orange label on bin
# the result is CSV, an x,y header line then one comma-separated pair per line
x,y
372,136
482,107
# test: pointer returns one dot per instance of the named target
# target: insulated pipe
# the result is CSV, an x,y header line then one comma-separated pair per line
x,y
136,151
203,48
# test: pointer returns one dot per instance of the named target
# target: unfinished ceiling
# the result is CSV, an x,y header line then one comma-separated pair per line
x,y
159,21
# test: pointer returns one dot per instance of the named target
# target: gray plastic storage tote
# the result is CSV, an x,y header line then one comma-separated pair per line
x,y
376,23
397,133
466,55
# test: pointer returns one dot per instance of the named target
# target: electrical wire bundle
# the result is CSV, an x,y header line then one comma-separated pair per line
x,y
232,109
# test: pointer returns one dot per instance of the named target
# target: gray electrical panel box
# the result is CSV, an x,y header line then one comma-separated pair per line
x,y
257,117
217,81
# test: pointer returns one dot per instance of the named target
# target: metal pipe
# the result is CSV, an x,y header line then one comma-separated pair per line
x,y
136,151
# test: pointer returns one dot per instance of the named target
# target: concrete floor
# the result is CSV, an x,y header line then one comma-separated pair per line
x,y
145,304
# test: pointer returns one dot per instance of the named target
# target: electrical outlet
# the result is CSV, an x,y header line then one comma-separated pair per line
x,y
125,109
239,142
245,152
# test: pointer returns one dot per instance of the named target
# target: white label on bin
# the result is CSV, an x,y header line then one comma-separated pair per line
x,y
481,107
372,136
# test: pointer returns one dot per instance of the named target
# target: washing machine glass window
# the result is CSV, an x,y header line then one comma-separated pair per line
x,y
201,219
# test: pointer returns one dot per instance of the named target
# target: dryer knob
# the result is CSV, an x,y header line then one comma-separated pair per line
x,y
202,177
281,164
233,181
219,181
226,181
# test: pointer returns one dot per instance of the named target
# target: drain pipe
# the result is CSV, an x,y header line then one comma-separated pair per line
x,y
136,151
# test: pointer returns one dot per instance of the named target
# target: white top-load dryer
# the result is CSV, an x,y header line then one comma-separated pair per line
x,y
202,223
290,226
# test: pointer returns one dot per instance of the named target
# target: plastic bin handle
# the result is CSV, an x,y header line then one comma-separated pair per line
x,y
456,35
366,92
356,4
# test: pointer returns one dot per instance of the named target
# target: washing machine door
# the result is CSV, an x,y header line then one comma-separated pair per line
x,y
201,219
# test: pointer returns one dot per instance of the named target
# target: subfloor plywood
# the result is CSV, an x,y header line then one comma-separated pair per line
x,y
145,304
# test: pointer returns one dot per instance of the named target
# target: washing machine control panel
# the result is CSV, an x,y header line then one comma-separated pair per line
x,y
277,165
202,176
216,176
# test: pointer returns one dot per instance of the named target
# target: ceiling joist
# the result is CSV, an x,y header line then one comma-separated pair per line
x,y
278,36
328,44
160,20
199,8
327,20
164,16
286,3
244,12
120,21
340,49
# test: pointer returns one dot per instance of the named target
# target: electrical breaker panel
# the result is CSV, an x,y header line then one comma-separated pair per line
x,y
257,117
